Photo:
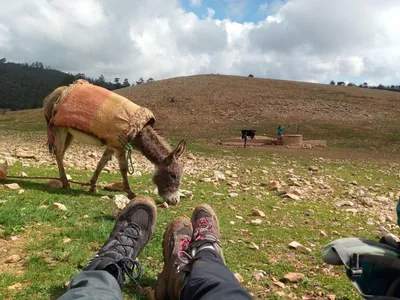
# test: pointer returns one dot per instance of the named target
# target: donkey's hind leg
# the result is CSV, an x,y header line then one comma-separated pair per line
x,y
62,141
123,167
108,153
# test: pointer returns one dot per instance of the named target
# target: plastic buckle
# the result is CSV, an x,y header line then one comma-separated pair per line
x,y
356,270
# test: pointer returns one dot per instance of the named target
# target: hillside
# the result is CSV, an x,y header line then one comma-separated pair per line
x,y
216,106
23,87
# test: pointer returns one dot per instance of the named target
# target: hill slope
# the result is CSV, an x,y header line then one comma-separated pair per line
x,y
25,87
216,106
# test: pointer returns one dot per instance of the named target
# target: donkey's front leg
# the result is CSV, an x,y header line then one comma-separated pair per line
x,y
100,165
123,167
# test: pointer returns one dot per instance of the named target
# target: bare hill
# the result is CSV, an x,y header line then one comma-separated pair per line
x,y
216,106
220,105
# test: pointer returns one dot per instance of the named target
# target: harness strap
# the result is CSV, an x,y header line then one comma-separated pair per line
x,y
128,148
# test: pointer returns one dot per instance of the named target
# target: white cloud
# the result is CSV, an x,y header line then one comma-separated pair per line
x,y
210,13
309,40
195,2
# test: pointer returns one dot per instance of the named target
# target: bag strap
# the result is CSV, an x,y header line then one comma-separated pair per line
x,y
350,259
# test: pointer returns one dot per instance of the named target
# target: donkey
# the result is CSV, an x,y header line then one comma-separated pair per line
x,y
168,166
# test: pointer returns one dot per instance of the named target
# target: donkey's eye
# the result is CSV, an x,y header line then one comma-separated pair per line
x,y
173,176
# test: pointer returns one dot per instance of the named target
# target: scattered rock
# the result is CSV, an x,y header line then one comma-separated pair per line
x,y
258,275
239,217
256,222
54,183
219,176
232,207
257,213
233,195
59,206
280,284
115,187
322,233
25,154
352,210
344,203
233,183
12,259
104,198
293,277
331,297
294,244
67,240
12,186
313,168
23,174
15,286
294,191
299,247
239,277
69,177
164,205
254,246
21,191
121,201
274,185
291,196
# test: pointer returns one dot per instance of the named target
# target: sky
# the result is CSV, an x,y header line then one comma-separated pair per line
x,y
304,40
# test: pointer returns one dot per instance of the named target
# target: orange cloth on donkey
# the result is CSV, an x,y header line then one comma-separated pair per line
x,y
100,112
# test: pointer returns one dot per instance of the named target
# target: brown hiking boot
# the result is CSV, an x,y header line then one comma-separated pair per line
x,y
132,231
176,244
206,231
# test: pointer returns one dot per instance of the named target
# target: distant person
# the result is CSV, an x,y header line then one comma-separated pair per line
x,y
194,266
281,131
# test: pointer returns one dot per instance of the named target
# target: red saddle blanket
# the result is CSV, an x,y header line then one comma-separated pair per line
x,y
100,112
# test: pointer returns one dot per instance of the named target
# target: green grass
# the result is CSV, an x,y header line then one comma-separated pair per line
x,y
49,262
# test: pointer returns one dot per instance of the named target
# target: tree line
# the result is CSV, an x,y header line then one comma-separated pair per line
x,y
393,88
24,86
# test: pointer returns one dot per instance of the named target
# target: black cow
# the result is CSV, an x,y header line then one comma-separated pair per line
x,y
248,132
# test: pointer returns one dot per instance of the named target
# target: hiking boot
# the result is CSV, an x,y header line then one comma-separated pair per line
x,y
176,245
132,231
206,231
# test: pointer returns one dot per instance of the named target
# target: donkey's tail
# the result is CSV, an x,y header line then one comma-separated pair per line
x,y
49,104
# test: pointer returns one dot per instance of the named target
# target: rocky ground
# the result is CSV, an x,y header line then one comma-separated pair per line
x,y
328,192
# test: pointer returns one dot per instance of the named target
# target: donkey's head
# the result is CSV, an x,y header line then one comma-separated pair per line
x,y
168,175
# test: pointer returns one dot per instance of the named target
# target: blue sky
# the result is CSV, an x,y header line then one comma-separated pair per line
x,y
235,10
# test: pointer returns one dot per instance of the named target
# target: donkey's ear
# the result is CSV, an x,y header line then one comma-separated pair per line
x,y
180,149
176,153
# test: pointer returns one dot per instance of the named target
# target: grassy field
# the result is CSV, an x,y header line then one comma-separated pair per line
x,y
54,245
360,165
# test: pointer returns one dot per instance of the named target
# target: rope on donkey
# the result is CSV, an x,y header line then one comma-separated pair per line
x,y
128,148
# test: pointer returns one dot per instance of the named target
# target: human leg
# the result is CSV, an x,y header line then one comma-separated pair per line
x,y
209,277
117,257
200,273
